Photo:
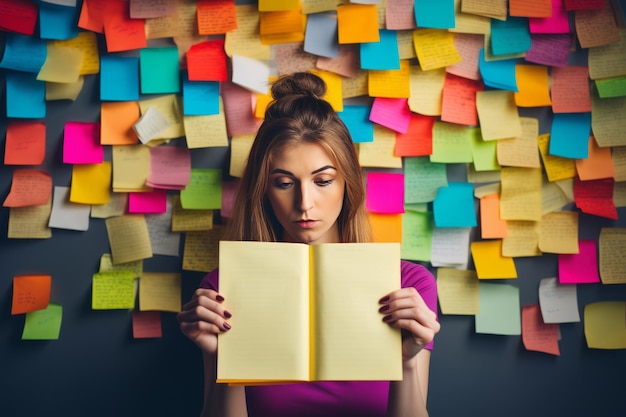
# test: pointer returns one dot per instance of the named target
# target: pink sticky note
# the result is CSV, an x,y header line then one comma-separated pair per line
x,y
170,167
393,113
238,110
81,143
557,23
385,193
580,268
149,202
229,191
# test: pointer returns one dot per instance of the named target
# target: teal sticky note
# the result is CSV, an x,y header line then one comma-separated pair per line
x,y
356,119
159,70
569,135
200,98
510,36
43,324
119,78
436,14
204,190
500,311
382,55
417,235
499,74
25,95
422,179
320,37
24,53
454,205
57,22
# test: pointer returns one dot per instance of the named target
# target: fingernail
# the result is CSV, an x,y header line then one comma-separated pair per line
x,y
384,308
219,298
227,314
384,299
387,318
227,326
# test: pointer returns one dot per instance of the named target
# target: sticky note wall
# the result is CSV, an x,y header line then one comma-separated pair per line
x,y
487,135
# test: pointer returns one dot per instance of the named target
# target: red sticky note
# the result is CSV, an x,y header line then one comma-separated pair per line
x,y
146,324
206,61
25,143
30,293
537,335
595,197
418,139
120,31
30,187
18,16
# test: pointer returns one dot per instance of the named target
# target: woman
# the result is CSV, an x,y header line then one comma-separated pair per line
x,y
303,183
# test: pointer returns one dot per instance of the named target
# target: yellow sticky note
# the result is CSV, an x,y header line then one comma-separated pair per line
x,y
131,167
87,43
91,183
390,83
240,146
380,152
357,23
557,168
62,64
522,239
334,90
604,325
459,291
160,291
558,232
520,197
533,85
489,262
498,115
386,227
435,48
275,5
168,105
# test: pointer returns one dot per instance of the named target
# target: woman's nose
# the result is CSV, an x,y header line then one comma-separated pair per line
x,y
305,199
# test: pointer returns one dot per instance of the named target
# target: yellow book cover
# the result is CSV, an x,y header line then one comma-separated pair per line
x,y
307,313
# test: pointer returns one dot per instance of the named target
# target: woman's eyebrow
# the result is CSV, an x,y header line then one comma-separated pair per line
x,y
285,172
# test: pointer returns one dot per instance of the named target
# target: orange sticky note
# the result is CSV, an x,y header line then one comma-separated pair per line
x,y
120,31
30,187
530,8
418,139
286,21
357,23
30,293
146,324
458,103
92,16
537,335
533,84
116,123
216,16
491,225
386,227
598,165
25,143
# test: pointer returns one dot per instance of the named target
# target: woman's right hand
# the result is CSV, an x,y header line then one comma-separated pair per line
x,y
203,318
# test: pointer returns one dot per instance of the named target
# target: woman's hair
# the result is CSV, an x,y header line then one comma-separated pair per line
x,y
298,114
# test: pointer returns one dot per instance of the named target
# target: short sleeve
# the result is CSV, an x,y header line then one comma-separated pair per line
x,y
420,278
210,280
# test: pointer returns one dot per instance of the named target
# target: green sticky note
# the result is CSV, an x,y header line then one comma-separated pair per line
x,y
204,190
159,70
43,324
500,311
611,87
417,235
113,290
484,152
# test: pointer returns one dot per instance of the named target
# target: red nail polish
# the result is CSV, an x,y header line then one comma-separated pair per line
x,y
227,314
227,326
219,298
387,318
384,308
384,299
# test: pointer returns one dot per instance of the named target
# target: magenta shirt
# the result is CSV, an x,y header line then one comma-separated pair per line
x,y
329,398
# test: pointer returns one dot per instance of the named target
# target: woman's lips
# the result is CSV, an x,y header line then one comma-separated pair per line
x,y
306,224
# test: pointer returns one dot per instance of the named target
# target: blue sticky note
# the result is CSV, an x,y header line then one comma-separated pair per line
x,y
24,53
356,119
511,36
159,70
200,97
499,74
454,205
25,95
321,37
57,22
119,78
569,135
382,55
437,14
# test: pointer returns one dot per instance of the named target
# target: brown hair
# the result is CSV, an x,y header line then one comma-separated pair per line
x,y
297,114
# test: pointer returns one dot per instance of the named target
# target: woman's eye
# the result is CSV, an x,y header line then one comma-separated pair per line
x,y
323,183
283,184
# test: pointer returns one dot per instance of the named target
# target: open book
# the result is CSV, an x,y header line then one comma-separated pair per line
x,y
308,313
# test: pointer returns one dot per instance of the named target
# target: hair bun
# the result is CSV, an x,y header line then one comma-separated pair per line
x,y
299,83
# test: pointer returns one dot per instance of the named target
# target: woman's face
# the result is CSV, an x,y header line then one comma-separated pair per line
x,y
306,193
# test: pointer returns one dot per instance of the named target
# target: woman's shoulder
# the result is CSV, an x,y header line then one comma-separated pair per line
x,y
415,272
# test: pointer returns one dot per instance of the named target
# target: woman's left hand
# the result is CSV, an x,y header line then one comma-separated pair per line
x,y
406,310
